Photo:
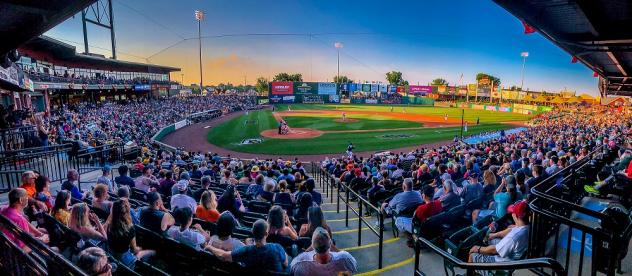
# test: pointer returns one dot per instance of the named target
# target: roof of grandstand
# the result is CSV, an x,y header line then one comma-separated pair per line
x,y
60,53
591,31
22,20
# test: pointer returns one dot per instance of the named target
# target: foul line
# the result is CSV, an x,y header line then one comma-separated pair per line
x,y
389,267
369,245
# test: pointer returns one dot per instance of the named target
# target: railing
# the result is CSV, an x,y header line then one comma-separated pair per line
x,y
18,138
471,268
556,212
328,182
42,261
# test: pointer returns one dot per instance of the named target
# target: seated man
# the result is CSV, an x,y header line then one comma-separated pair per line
x,y
18,200
260,255
155,217
123,178
509,244
424,211
403,200
321,260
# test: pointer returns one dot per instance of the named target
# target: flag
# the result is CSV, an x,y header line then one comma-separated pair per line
x,y
574,60
595,74
528,29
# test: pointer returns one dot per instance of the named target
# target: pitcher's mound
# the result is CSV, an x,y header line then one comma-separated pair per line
x,y
347,120
295,133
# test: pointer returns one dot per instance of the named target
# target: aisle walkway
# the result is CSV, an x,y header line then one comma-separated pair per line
x,y
398,258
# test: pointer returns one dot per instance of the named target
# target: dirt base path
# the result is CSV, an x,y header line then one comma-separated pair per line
x,y
193,139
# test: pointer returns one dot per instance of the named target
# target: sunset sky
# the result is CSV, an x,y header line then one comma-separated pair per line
x,y
245,39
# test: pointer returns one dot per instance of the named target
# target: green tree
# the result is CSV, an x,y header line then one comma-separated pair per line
x,y
439,81
341,79
288,77
491,78
262,85
395,78
515,88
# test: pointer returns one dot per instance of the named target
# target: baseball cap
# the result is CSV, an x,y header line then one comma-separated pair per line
x,y
358,172
519,208
107,168
184,176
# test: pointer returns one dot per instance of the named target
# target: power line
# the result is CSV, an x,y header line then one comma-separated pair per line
x,y
99,47
150,19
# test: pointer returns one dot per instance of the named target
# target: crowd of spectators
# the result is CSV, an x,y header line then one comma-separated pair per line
x,y
69,77
490,178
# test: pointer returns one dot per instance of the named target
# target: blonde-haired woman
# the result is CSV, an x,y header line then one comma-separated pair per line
x,y
207,210
86,223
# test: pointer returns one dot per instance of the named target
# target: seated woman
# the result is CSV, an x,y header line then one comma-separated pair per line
x,y
61,209
207,210
94,261
225,227
315,219
100,199
196,238
86,223
280,224
304,202
42,193
283,196
267,195
122,235
227,179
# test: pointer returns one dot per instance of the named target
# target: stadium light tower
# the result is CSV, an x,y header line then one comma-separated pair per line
x,y
199,16
338,46
524,56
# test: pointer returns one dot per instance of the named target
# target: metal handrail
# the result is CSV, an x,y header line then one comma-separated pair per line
x,y
472,267
324,175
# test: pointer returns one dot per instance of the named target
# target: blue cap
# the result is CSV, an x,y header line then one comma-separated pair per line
x,y
107,168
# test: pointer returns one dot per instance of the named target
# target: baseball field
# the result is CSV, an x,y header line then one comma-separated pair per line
x,y
328,129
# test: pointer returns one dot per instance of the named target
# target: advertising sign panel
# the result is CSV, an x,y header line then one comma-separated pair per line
x,y
382,88
334,98
326,88
353,87
307,88
392,89
288,99
462,91
420,89
442,89
282,88
471,89
142,87
371,101
276,99
345,101
401,90
374,88
366,87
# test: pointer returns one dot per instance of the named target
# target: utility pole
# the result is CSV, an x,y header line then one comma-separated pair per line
x,y
524,56
199,16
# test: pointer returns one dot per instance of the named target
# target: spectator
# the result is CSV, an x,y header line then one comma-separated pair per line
x,y
472,196
106,178
207,209
18,200
403,200
61,209
122,235
71,185
280,224
94,261
260,255
310,185
86,223
315,219
225,227
205,181
304,202
322,260
283,196
227,179
123,193
267,195
231,201
166,184
100,199
429,208
449,199
255,188
504,199
155,217
182,200
123,178
42,189
183,233
146,180
28,183
509,244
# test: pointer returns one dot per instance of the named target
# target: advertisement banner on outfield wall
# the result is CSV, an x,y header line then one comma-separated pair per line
x,y
374,88
342,87
326,88
371,101
504,109
401,90
491,108
282,88
353,87
420,89
382,88
366,87
276,99
302,88
334,98
471,89
462,91
441,89
392,89
478,106
451,90
484,92
289,99
345,101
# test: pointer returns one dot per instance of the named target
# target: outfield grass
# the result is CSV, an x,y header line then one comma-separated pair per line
x,y
328,123
470,115
229,135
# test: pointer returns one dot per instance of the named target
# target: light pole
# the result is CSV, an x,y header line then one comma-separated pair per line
x,y
199,16
182,79
338,46
524,56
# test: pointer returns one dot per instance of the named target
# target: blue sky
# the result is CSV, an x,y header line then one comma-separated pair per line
x,y
422,39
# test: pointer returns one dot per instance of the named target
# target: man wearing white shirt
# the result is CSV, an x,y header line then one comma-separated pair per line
x,y
323,260
182,200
